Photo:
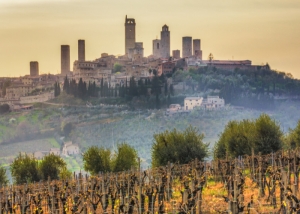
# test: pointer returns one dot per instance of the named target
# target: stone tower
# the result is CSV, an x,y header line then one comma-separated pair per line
x,y
129,34
65,59
186,46
156,48
81,50
176,54
34,68
165,42
197,48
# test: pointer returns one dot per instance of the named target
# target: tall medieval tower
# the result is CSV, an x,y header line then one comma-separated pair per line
x,y
129,34
65,59
165,42
34,68
187,46
81,50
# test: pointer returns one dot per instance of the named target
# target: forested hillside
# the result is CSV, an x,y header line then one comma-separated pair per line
x,y
252,89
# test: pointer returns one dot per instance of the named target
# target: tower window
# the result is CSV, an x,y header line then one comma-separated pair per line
x,y
157,45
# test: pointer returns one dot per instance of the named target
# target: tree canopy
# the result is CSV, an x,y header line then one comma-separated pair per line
x,y
5,85
3,177
50,166
96,160
67,129
125,157
4,108
175,146
24,169
117,67
239,137
293,137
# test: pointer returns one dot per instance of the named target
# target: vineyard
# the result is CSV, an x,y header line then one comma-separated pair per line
x,y
248,184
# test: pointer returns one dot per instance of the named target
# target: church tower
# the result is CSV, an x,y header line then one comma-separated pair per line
x,y
165,42
129,34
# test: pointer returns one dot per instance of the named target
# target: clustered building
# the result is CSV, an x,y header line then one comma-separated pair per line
x,y
133,63
68,149
191,103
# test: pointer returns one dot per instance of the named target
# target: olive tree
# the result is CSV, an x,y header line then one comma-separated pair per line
x,y
51,166
3,177
175,146
292,139
25,169
96,160
125,158
240,137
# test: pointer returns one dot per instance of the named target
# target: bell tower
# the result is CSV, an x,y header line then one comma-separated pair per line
x,y
165,42
129,34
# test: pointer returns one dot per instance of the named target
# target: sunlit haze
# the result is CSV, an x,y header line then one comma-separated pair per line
x,y
258,30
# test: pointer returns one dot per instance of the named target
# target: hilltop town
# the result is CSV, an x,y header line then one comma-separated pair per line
x,y
115,71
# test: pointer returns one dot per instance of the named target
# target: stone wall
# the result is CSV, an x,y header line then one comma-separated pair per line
x,y
37,98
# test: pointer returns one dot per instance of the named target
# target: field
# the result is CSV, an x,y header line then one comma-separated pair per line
x,y
244,185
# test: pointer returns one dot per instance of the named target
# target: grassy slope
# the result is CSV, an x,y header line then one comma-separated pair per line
x,y
105,126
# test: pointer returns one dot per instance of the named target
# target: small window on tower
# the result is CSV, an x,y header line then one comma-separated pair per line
x,y
157,45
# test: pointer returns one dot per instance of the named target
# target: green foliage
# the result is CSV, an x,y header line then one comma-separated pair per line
x,y
4,108
125,158
3,177
67,129
64,173
268,135
6,84
156,90
66,87
180,75
292,139
51,166
117,67
175,146
236,139
81,90
239,137
24,169
56,89
250,88
172,89
96,160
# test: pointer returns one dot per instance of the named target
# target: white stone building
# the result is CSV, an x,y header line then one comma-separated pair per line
x,y
213,102
192,102
70,149
55,151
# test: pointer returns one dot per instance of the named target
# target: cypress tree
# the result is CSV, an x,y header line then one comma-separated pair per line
x,y
102,88
58,89
89,91
94,91
166,89
84,91
55,90
80,88
172,90
66,87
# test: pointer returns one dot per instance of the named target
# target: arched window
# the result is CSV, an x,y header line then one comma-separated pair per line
x,y
157,45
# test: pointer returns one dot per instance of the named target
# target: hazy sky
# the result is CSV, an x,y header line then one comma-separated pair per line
x,y
258,30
